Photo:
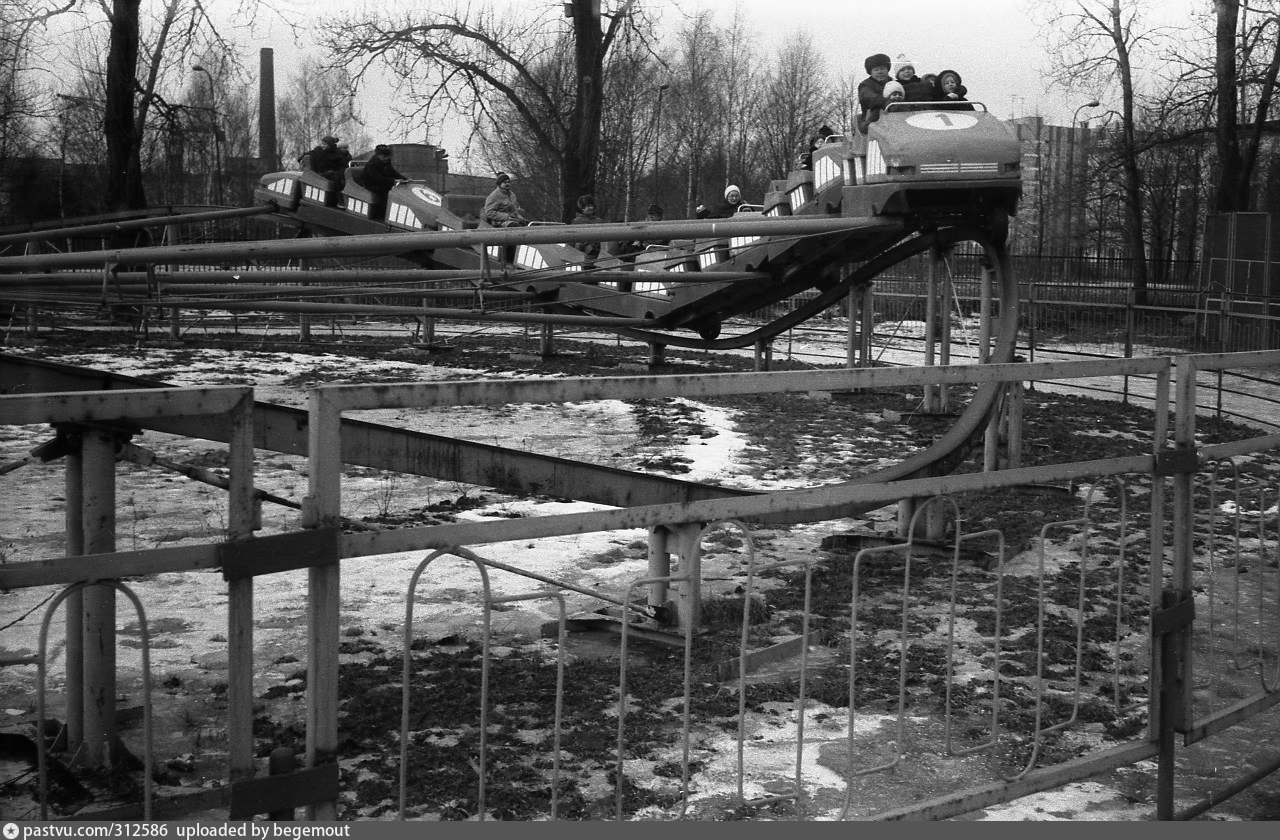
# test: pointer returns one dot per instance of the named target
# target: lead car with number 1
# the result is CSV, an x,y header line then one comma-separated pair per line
x,y
935,163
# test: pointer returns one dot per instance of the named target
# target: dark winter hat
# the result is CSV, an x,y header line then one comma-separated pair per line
x,y
329,138
942,77
586,201
503,178
382,149
655,209
877,60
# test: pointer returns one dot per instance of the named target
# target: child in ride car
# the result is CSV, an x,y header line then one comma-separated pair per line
x,y
871,90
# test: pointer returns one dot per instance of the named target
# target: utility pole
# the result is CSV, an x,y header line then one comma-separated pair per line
x,y
217,132
657,139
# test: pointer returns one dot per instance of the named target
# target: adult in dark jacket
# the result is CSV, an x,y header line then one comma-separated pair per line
x,y
628,250
326,159
732,201
379,175
587,216
502,208
871,90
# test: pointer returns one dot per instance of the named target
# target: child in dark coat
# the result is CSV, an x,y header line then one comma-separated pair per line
x,y
914,88
871,90
587,216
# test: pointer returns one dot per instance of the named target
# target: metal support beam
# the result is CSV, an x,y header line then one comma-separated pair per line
x,y
99,459
386,244
73,464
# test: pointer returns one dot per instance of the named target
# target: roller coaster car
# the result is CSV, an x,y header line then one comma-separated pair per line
x,y
828,163
937,160
318,190
358,199
280,188
713,251
533,257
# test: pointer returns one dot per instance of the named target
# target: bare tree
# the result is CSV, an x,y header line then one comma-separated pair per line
x,y
494,66
20,101
1096,42
145,45
1246,56
694,118
740,104
796,101
318,100
629,131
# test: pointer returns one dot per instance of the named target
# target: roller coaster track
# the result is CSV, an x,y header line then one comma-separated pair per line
x,y
760,261
283,429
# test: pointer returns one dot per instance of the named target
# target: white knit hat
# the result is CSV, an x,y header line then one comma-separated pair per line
x,y
731,188
900,62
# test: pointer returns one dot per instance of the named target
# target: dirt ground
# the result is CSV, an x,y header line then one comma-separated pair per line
x,y
754,443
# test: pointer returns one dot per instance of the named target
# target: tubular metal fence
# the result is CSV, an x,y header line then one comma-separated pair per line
x,y
1161,619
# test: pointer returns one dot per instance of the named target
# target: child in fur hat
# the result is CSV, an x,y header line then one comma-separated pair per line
x,y
951,87
871,89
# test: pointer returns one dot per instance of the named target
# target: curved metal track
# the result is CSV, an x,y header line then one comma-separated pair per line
x,y
946,453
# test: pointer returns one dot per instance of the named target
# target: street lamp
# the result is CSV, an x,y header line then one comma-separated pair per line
x,y
1071,172
657,139
217,139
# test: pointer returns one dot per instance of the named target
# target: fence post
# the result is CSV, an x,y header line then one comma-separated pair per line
x,y
1170,626
1129,325
657,354
322,508
74,619
545,346
763,355
99,460
851,332
1031,322
1013,437
931,326
242,515
946,292
304,320
170,237
991,437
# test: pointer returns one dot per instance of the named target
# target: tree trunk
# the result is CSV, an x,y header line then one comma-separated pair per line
x,y
1232,195
1129,163
582,143
124,156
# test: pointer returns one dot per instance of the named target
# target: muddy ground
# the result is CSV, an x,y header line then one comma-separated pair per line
x,y
899,705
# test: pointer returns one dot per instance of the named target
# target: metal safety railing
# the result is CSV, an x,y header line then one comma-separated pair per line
x,y
1132,601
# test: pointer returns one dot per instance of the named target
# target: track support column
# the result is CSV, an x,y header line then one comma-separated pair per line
x,y
931,401
99,513
659,564
688,540
763,355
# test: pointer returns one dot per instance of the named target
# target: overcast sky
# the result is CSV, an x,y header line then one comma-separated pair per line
x,y
994,44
